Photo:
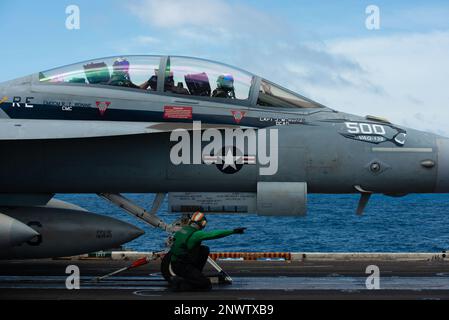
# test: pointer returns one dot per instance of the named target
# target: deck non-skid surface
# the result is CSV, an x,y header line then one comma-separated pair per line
x,y
45,279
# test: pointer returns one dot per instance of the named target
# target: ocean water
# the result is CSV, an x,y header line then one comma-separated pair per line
x,y
415,223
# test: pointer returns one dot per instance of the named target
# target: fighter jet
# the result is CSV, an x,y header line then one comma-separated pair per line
x,y
213,137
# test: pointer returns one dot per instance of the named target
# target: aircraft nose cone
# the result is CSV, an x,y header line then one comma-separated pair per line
x,y
442,185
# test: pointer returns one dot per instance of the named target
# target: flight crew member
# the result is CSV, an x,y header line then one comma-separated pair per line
x,y
225,87
120,76
188,255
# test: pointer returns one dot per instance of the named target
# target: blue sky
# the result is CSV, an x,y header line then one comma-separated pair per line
x,y
35,33
319,48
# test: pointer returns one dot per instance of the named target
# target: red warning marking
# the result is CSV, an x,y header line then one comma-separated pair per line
x,y
175,112
238,115
103,106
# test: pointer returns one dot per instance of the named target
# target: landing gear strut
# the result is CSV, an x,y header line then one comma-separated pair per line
x,y
151,218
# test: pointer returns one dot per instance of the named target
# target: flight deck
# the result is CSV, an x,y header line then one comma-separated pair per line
x,y
305,276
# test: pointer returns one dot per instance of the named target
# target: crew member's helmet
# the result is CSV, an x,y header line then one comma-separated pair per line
x,y
225,81
121,65
199,219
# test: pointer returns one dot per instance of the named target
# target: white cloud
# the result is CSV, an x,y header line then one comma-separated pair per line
x,y
146,40
179,13
402,77
413,71
246,37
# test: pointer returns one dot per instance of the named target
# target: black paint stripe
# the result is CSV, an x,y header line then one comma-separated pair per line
x,y
51,112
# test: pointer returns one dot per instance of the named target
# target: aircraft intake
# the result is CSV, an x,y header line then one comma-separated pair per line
x,y
58,230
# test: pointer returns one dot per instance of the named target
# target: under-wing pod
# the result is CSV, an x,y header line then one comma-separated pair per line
x,y
63,229
14,232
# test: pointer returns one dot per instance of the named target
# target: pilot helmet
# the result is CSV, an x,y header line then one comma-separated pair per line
x,y
121,65
199,219
225,81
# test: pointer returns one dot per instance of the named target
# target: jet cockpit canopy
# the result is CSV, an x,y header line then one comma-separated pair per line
x,y
179,76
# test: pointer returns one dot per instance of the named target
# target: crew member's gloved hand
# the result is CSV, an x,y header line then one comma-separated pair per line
x,y
239,230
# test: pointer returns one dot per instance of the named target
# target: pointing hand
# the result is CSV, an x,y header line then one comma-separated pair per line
x,y
239,230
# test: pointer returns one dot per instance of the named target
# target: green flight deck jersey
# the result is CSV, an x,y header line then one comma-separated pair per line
x,y
188,238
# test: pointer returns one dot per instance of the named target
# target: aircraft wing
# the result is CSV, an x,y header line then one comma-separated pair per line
x,y
24,129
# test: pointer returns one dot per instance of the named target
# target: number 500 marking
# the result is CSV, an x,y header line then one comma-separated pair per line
x,y
365,128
